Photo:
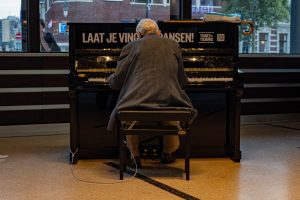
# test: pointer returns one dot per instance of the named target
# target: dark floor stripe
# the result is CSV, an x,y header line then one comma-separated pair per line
x,y
24,136
287,127
156,183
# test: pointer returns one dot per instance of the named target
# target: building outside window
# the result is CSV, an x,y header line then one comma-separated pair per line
x,y
57,14
10,27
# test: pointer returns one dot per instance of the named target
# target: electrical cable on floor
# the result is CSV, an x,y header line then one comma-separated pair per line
x,y
103,183
268,123
3,156
279,126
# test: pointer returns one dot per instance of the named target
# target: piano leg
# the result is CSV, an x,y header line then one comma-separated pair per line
x,y
237,154
73,95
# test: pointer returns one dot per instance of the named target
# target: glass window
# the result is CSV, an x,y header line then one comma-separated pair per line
x,y
57,13
245,47
272,21
162,2
283,48
263,43
201,7
12,34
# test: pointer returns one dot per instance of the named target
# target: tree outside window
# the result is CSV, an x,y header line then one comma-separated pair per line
x,y
270,15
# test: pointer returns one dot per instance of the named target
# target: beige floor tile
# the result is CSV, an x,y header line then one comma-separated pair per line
x,y
38,167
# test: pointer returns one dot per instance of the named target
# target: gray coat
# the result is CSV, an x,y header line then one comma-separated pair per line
x,y
150,75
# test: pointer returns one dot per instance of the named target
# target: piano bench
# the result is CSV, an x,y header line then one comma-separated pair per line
x,y
140,116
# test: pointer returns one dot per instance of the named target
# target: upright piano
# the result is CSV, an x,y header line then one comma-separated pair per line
x,y
210,54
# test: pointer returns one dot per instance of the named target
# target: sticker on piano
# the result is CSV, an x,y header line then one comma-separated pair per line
x,y
206,37
221,37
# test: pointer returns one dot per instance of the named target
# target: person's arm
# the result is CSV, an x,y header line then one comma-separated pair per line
x,y
181,73
116,79
44,43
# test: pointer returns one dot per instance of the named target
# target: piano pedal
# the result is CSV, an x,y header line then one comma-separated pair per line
x,y
150,152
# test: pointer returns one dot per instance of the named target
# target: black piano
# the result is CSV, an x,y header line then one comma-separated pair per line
x,y
210,53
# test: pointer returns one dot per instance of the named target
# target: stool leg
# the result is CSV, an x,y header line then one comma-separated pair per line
x,y
161,145
121,153
187,154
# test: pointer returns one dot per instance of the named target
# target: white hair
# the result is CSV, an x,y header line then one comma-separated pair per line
x,y
147,26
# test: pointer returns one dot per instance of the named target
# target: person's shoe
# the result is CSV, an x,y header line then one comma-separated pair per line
x,y
130,162
167,158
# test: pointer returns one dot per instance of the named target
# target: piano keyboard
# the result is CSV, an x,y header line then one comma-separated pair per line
x,y
97,80
209,79
190,79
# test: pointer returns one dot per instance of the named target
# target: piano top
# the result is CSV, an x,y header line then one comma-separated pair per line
x,y
209,51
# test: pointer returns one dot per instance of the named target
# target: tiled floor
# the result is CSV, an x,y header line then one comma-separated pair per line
x,y
37,167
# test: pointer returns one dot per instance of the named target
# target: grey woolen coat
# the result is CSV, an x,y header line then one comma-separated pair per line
x,y
150,75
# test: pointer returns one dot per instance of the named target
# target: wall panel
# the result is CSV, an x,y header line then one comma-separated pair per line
x,y
34,86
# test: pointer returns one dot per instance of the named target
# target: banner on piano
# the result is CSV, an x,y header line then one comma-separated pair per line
x,y
117,35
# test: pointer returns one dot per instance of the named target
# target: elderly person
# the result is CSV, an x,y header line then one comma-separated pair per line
x,y
150,75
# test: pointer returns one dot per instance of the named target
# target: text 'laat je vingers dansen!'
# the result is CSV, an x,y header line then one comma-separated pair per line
x,y
128,37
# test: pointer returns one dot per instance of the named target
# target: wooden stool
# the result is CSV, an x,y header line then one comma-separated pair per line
x,y
183,116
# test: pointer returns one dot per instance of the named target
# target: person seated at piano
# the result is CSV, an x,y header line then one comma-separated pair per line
x,y
150,75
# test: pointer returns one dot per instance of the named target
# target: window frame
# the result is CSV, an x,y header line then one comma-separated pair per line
x,y
32,16
165,3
